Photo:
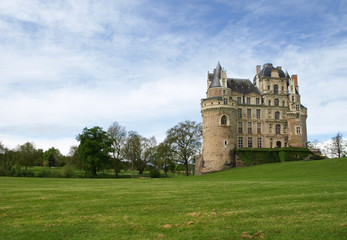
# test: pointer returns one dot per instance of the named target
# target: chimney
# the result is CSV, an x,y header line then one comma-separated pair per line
x,y
258,69
295,78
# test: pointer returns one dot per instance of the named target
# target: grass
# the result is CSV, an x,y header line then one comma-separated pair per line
x,y
293,200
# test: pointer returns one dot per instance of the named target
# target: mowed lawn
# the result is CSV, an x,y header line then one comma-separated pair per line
x,y
295,200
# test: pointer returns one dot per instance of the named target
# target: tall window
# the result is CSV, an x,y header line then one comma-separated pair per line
x,y
282,88
239,100
258,127
239,127
258,113
249,142
277,102
248,101
224,120
298,130
225,101
297,107
259,142
269,102
278,129
277,115
284,103
249,127
240,143
249,112
239,112
268,87
257,101
275,89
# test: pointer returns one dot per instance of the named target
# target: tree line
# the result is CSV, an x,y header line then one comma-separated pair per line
x,y
115,149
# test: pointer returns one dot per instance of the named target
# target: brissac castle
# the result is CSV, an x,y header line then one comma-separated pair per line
x,y
240,114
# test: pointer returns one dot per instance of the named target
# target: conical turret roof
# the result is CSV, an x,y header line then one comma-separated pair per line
x,y
216,76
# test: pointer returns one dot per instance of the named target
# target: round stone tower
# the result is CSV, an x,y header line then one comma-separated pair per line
x,y
219,114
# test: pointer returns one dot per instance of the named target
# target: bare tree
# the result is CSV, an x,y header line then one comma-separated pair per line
x,y
337,146
119,137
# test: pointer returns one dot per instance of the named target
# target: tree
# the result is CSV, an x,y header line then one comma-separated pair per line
x,y
133,149
72,157
28,154
139,150
119,137
52,157
148,147
185,140
164,157
94,149
337,146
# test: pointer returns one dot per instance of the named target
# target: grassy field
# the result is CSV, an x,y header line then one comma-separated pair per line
x,y
293,200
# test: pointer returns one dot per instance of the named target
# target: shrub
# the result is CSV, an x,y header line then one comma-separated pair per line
x,y
68,171
154,173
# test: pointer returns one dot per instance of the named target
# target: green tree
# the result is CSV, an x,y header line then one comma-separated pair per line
x,y
118,136
72,157
28,155
133,149
94,149
185,140
5,163
164,157
139,150
52,157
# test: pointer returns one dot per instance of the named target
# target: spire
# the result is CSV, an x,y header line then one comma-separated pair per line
x,y
216,76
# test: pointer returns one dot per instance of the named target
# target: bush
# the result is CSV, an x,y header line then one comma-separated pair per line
x,y
154,173
27,174
68,171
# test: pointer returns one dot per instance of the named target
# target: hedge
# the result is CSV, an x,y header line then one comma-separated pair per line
x,y
254,156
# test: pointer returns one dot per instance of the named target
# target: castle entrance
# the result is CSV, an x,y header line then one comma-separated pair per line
x,y
278,144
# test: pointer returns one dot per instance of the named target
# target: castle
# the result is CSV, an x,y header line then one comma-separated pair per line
x,y
240,114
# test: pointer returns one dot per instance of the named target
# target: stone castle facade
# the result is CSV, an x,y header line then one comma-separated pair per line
x,y
240,114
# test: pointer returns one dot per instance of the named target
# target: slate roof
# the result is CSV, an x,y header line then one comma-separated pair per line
x,y
266,71
216,76
243,86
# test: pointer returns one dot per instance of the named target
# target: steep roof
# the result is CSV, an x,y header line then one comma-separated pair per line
x,y
216,76
243,86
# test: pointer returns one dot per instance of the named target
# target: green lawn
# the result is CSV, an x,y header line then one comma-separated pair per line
x,y
293,200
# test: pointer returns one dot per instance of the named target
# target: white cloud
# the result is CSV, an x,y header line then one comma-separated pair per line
x,y
67,65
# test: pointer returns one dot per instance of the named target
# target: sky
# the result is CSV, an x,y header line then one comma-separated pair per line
x,y
70,64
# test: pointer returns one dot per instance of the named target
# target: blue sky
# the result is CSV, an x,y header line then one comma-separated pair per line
x,y
66,65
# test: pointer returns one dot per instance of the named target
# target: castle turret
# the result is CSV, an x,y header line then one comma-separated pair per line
x,y
219,115
296,116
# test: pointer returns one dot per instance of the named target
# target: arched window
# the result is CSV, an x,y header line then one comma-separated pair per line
x,y
275,89
277,115
277,102
223,120
278,129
